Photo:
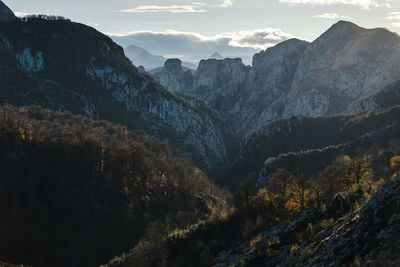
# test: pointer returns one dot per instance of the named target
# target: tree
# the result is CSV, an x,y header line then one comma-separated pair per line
x,y
244,195
279,182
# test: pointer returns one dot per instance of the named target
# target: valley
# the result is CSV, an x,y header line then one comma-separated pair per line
x,y
293,160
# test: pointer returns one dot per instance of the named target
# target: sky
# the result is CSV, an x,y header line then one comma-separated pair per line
x,y
244,24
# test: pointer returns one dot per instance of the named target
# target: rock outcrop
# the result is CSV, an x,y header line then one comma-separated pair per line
x,y
333,74
93,77
219,82
346,64
387,97
174,77
268,83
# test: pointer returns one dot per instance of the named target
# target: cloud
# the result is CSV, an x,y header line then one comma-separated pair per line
x,y
331,16
395,18
258,39
226,3
199,4
169,9
196,7
192,46
21,14
366,4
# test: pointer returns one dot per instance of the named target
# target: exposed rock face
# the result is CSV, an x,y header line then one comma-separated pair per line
x,y
6,15
244,94
93,77
331,75
268,83
174,77
219,82
346,64
387,97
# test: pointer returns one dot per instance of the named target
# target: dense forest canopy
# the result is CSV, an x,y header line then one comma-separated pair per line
x,y
77,191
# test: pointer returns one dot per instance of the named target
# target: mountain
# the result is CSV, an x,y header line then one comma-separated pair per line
x,y
387,97
173,76
216,55
247,94
317,141
346,64
331,75
189,47
349,240
336,71
268,81
328,194
325,140
142,57
76,192
6,15
93,77
307,139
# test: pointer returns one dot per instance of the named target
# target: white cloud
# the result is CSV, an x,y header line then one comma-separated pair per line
x,y
199,4
331,16
196,7
226,3
169,9
21,14
366,4
395,17
192,47
258,39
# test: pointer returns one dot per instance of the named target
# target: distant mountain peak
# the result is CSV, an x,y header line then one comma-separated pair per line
x,y
345,23
6,15
216,55
343,27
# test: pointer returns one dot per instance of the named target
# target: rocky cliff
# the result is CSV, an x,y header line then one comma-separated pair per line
x,y
93,77
219,82
173,76
346,64
333,74
268,83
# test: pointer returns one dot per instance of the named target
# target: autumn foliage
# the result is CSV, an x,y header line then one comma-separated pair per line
x,y
76,192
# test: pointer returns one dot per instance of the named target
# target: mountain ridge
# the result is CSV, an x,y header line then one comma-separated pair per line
x,y
325,77
97,80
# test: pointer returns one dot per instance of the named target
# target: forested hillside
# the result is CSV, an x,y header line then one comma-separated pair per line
x,y
75,192
301,217
322,139
101,165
